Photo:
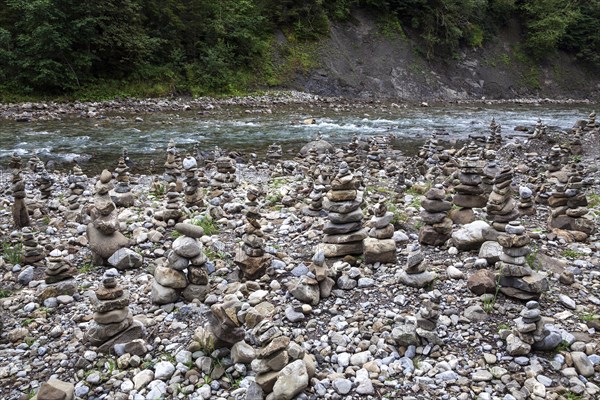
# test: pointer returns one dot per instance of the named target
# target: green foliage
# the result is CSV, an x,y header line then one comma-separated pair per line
x,y
5,293
570,253
531,258
207,223
594,200
87,267
12,252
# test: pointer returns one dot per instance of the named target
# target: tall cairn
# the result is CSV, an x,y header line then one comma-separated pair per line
x,y
438,227
32,251
591,123
121,194
469,194
172,212
44,181
19,208
112,322
344,233
489,171
379,247
77,185
192,194
501,207
251,256
172,170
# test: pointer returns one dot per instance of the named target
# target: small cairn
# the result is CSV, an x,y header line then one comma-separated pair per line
x,y
554,159
322,274
438,227
172,212
251,256
192,194
274,152
172,164
112,320
32,251
121,194
540,130
34,163
315,208
526,206
19,208
415,273
57,268
501,207
569,207
103,232
185,274
489,171
516,278
344,233
495,133
379,247
77,185
374,160
469,194
224,328
225,177
591,123
428,315
15,162
44,181
531,332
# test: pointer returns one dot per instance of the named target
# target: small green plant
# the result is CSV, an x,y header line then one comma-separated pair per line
x,y
46,220
419,224
503,327
235,383
213,254
12,252
207,223
87,267
27,322
573,396
175,234
158,191
488,304
274,198
570,253
531,258
207,379
110,365
562,346
5,293
29,341
588,317
31,394
576,158
594,200
417,361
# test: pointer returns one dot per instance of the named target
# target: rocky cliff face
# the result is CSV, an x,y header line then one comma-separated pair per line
x,y
357,60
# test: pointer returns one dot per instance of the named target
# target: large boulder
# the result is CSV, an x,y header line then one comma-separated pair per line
x,y
470,236
103,245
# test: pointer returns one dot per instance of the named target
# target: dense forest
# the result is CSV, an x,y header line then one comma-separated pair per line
x,y
83,48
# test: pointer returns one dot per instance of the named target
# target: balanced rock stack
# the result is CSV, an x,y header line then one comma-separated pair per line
x,y
591,124
415,273
121,194
44,182
323,274
469,194
501,207
192,194
554,159
283,369
374,161
35,164
251,256
112,320
569,207
530,332
274,152
427,155
77,185
495,133
489,171
379,247
172,170
19,208
223,328
185,272
540,130
15,162
526,206
429,313
172,212
438,227
516,278
344,233
32,251
316,195
57,268
575,145
103,232
225,177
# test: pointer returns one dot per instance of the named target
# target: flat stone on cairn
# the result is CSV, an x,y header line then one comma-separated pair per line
x,y
57,269
185,273
438,227
501,207
103,233
251,256
516,278
32,252
112,320
530,331
344,234
225,177
192,194
379,247
121,194
415,273
19,208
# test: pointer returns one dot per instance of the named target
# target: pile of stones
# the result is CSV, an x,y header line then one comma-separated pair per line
x,y
469,193
186,273
374,160
591,123
77,185
501,207
225,177
274,152
316,195
517,279
379,247
344,233
489,171
32,251
555,159
112,322
540,130
19,207
415,273
526,205
192,194
223,328
438,227
172,212
44,181
172,166
57,268
121,194
495,133
250,256
530,332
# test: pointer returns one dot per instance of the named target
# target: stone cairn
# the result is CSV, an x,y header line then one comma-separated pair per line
x,y
501,207
526,206
516,278
438,227
469,194
19,208
415,273
57,268
274,152
34,163
251,256
489,171
315,208
185,274
225,177
103,232
569,206
555,159
112,320
77,185
379,247
121,194
192,194
428,315
344,233
540,130
427,155
495,134
530,332
32,251
44,181
374,160
172,212
591,123
172,170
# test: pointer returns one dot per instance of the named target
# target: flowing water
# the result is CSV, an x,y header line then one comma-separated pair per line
x,y
100,141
